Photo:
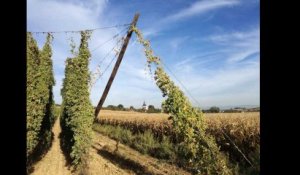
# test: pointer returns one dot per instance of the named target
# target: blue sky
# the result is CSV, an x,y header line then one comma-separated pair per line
x,y
212,46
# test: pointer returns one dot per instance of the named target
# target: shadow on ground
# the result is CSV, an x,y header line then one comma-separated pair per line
x,y
38,154
65,152
123,162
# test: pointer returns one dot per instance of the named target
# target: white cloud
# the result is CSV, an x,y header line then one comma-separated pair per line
x,y
239,56
201,7
234,78
240,44
237,38
178,41
197,8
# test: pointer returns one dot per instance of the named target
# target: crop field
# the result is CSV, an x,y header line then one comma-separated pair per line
x,y
251,118
237,134
238,125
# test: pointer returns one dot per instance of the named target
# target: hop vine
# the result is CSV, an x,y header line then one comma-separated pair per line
x,y
39,98
77,110
196,149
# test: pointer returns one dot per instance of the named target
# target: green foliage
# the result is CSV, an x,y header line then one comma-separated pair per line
x,y
165,150
34,108
152,109
77,111
213,109
121,107
39,97
196,149
48,82
145,142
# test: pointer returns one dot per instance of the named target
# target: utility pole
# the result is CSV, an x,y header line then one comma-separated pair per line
x,y
116,67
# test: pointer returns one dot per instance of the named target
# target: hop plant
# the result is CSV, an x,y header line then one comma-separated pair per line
x,y
197,149
39,99
77,114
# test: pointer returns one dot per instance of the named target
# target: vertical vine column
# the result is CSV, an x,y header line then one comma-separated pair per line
x,y
34,107
77,114
39,97
46,69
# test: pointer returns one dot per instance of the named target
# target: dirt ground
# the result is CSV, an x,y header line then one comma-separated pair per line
x,y
54,161
105,159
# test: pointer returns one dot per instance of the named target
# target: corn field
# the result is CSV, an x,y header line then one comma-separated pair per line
x,y
243,130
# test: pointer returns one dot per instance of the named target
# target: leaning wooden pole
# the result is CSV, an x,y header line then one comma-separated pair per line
x,y
116,67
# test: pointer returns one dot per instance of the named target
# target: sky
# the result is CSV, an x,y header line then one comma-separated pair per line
x,y
210,46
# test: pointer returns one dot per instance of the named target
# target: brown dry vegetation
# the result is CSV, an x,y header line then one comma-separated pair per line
x,y
138,116
241,129
240,126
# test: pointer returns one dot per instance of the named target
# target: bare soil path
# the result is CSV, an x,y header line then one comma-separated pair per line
x,y
104,160
54,162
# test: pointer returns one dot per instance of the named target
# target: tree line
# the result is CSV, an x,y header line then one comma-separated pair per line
x,y
120,107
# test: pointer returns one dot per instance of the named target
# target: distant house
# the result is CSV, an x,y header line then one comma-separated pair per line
x,y
144,107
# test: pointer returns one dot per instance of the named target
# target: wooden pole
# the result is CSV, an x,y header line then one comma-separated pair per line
x,y
116,67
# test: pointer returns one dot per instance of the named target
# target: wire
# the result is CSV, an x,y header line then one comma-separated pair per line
x,y
180,83
240,151
108,65
101,74
102,44
101,60
95,72
78,31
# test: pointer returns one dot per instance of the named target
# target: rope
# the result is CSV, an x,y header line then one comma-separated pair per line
x,y
78,31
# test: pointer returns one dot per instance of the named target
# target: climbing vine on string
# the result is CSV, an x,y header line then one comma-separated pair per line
x,y
46,69
77,110
39,98
196,149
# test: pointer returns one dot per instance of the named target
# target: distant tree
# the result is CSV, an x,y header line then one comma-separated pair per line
x,y
214,109
131,108
111,107
120,106
151,107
